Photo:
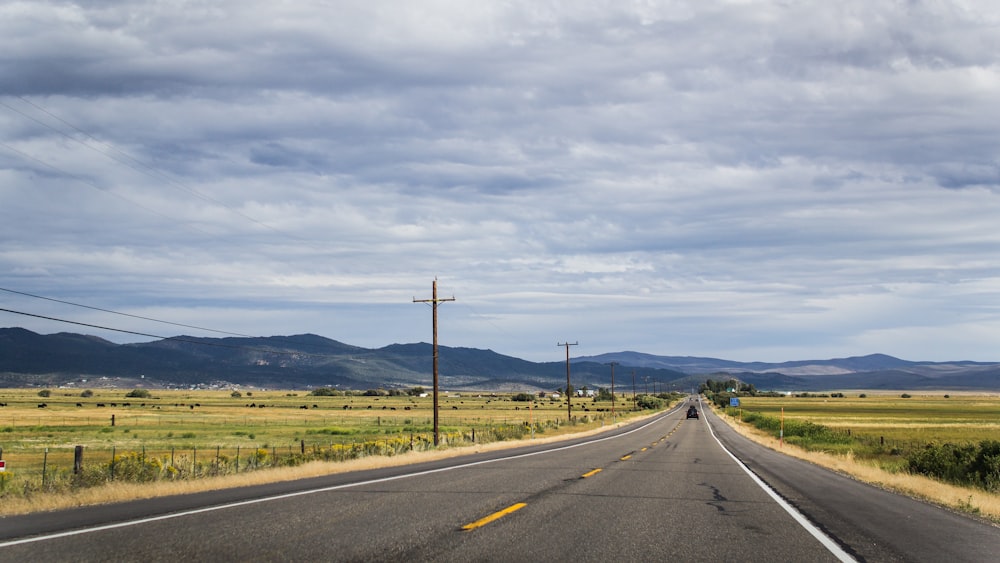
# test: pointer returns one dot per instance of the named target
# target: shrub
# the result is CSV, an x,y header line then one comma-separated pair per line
x,y
44,393
522,397
324,392
649,402
964,464
236,394
87,393
138,394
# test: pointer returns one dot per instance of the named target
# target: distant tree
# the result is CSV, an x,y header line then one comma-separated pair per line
x,y
236,394
324,392
44,393
522,397
905,396
87,393
603,395
415,391
138,394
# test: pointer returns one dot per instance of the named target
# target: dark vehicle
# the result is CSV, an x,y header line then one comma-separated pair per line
x,y
692,412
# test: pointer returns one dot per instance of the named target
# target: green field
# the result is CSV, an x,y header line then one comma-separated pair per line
x,y
888,430
183,434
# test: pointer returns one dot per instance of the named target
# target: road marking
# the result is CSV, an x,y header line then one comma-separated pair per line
x,y
591,473
237,504
643,449
624,457
495,516
824,539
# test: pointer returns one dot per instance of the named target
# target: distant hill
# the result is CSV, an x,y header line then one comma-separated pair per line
x,y
307,360
292,362
875,371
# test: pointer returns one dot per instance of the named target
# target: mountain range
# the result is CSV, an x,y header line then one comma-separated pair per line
x,y
307,360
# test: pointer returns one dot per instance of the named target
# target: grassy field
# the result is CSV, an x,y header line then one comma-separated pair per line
x,y
186,434
890,440
886,426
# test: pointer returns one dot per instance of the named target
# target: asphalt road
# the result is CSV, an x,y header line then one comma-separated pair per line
x,y
662,490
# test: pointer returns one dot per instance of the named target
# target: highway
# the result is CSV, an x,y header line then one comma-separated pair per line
x,y
663,489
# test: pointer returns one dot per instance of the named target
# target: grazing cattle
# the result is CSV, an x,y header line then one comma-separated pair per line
x,y
454,407
315,406
347,407
42,405
304,407
260,406
126,404
369,407
114,404
191,407
100,405
406,408
79,404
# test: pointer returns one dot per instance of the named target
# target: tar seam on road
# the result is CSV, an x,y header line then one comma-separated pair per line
x,y
126,524
824,539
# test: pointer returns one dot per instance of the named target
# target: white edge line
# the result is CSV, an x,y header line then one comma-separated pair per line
x,y
147,520
824,539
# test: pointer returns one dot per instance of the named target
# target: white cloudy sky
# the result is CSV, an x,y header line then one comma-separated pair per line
x,y
749,180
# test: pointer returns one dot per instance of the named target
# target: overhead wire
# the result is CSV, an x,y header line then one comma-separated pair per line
x,y
173,338
124,314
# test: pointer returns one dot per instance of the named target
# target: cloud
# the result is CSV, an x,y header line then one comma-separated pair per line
x,y
752,180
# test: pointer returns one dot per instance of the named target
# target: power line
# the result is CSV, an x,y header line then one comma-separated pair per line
x,y
174,338
124,314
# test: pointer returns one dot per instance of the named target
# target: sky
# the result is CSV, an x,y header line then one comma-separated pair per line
x,y
746,180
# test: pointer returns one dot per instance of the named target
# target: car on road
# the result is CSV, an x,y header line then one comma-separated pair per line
x,y
692,412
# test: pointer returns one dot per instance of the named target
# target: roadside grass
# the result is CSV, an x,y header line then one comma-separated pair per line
x,y
187,440
871,438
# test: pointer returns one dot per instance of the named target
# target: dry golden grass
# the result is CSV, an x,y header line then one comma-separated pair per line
x,y
121,492
963,499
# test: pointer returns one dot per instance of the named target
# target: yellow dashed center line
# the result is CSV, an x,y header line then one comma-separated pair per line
x,y
591,473
496,515
624,457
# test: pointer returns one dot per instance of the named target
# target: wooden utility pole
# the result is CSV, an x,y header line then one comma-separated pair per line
x,y
633,390
434,315
569,399
613,364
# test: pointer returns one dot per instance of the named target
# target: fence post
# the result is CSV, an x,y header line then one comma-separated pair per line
x,y
77,460
112,463
112,420
45,465
302,444
237,459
